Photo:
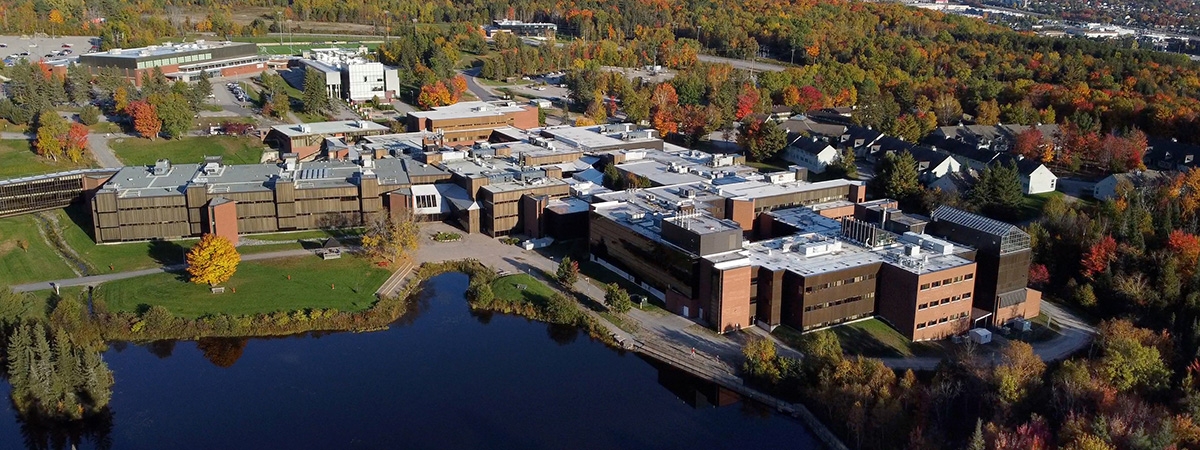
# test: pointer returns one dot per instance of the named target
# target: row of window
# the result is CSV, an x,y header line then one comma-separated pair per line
x,y
173,61
856,298
928,286
818,287
426,201
961,315
944,301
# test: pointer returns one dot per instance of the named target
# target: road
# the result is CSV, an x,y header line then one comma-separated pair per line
x,y
479,90
1076,187
742,63
103,155
97,279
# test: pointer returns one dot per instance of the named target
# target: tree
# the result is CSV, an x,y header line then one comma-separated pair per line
x,y
998,191
120,100
896,177
977,442
987,113
213,260
663,104
1098,257
433,95
1019,372
51,135
1130,357
1030,143
1185,246
761,139
145,119
314,97
201,89
275,100
77,142
391,239
747,102
174,114
947,109
845,164
760,363
568,272
78,84
89,115
617,298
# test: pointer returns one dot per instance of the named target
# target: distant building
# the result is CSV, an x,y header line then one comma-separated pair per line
x,y
519,28
1107,188
182,62
349,76
812,153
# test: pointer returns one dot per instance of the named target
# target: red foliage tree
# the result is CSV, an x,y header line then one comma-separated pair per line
x,y
1038,274
1029,143
1185,246
435,94
145,119
747,100
811,98
1098,257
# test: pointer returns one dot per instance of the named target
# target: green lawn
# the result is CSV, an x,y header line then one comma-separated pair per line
x,y
773,165
235,150
17,160
39,263
522,287
1031,205
871,338
346,284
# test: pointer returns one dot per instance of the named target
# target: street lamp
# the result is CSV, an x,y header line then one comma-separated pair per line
x,y
387,25
279,26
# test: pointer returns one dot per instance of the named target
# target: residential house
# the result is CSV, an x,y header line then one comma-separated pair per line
x,y
958,181
1170,154
812,153
1106,189
932,164
1036,178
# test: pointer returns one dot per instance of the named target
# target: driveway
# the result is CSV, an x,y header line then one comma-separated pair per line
x,y
479,90
1076,187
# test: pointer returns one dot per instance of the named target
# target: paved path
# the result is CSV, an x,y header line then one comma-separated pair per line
x,y
742,63
484,93
97,279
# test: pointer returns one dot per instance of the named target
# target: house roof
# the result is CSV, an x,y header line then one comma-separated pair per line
x,y
813,145
866,134
960,148
802,124
1142,177
1025,166
1172,153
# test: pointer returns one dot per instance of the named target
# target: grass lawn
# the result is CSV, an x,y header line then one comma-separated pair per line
x,y
262,287
39,263
871,338
235,150
1031,205
17,160
105,127
522,287
773,165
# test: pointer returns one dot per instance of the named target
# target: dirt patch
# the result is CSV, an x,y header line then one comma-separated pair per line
x,y
7,246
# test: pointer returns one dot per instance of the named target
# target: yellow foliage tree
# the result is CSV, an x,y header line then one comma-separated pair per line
x,y
213,260
391,239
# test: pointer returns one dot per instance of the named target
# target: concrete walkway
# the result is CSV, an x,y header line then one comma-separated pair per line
x,y
98,279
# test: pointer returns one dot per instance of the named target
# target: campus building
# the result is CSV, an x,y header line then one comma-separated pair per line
x,y
468,122
183,61
822,257
349,76
310,140
168,201
519,28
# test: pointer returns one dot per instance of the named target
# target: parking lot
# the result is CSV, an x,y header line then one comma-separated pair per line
x,y
546,86
37,48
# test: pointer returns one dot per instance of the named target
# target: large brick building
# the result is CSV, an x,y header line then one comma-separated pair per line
x,y
468,122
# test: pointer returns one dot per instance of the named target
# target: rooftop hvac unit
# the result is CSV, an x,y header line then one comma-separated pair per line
x,y
912,250
161,167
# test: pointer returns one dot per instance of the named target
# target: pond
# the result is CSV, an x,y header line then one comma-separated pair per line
x,y
441,377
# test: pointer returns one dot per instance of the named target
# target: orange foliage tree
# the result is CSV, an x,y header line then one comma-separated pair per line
x,y
77,142
1097,258
213,260
435,94
145,119
663,104
1186,247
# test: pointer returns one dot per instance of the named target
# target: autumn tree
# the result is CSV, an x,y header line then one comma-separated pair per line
x,y
568,272
948,109
1018,374
77,142
314,97
51,135
663,104
145,119
89,115
761,140
213,260
987,113
432,95
617,298
1131,356
747,102
1030,143
120,100
391,239
1185,246
1099,256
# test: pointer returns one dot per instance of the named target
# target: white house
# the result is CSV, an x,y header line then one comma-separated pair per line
x,y
1106,189
1036,178
933,165
811,153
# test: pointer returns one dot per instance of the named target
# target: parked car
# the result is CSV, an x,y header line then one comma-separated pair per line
x,y
66,46
3,45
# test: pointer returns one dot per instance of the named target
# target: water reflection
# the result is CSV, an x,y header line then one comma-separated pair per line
x,y
161,349
562,334
95,431
222,352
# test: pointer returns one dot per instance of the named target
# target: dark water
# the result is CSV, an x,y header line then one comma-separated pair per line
x,y
441,378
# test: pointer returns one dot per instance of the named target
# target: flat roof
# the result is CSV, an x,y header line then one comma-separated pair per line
x,y
168,49
334,127
469,109
761,189
518,185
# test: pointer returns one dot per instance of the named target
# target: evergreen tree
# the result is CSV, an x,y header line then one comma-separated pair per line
x,y
977,441
998,192
89,115
314,98
78,84
896,177
612,178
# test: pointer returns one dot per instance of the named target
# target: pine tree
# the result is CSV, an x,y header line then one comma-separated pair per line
x,y
896,177
314,98
998,192
977,441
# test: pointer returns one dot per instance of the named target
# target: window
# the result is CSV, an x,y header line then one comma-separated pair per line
x,y
945,301
920,325
942,320
966,295
923,306
426,201
968,276
937,283
925,287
